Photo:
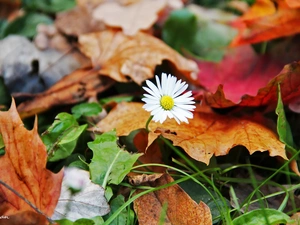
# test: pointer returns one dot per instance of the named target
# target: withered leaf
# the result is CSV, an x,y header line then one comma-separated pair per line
x,y
119,56
23,167
181,209
207,134
140,15
73,88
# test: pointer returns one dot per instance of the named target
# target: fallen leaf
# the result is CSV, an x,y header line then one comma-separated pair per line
x,y
23,167
140,15
87,203
77,21
240,72
180,208
206,135
267,94
122,57
27,69
267,20
73,88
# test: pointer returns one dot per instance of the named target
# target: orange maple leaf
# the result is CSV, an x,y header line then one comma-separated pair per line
x,y
265,21
206,135
23,169
122,57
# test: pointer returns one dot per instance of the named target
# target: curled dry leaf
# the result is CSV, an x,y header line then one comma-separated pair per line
x,y
140,15
120,56
87,203
206,135
73,88
23,167
180,208
267,20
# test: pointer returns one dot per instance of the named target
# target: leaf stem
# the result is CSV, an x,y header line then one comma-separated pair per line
x,y
147,123
27,201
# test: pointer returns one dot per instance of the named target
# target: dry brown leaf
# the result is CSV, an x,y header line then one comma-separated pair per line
x,y
77,21
76,87
206,135
181,209
23,167
120,56
130,17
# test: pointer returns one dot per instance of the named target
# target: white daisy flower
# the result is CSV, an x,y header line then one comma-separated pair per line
x,y
166,99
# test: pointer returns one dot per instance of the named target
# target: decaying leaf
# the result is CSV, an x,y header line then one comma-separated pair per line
x,y
267,20
122,57
23,167
77,21
206,135
131,17
289,78
87,203
76,87
180,208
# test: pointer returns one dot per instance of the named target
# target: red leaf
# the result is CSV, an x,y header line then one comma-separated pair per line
x,y
289,78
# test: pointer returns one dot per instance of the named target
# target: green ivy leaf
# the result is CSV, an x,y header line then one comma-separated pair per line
x,y
98,220
202,37
115,204
180,30
261,216
61,137
48,6
26,25
110,164
86,109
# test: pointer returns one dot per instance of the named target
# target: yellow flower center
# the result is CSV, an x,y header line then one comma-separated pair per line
x,y
166,102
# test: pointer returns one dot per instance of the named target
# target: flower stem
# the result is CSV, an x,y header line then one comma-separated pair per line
x,y
147,123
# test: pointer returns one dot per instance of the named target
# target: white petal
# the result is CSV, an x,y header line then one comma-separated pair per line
x,y
149,108
182,112
150,92
151,101
150,97
186,107
153,88
178,86
158,85
180,91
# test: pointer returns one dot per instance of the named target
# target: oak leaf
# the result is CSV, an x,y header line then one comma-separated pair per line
x,y
119,56
206,135
267,20
73,88
23,168
180,208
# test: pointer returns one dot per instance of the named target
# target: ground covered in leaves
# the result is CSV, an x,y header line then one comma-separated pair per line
x,y
78,147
